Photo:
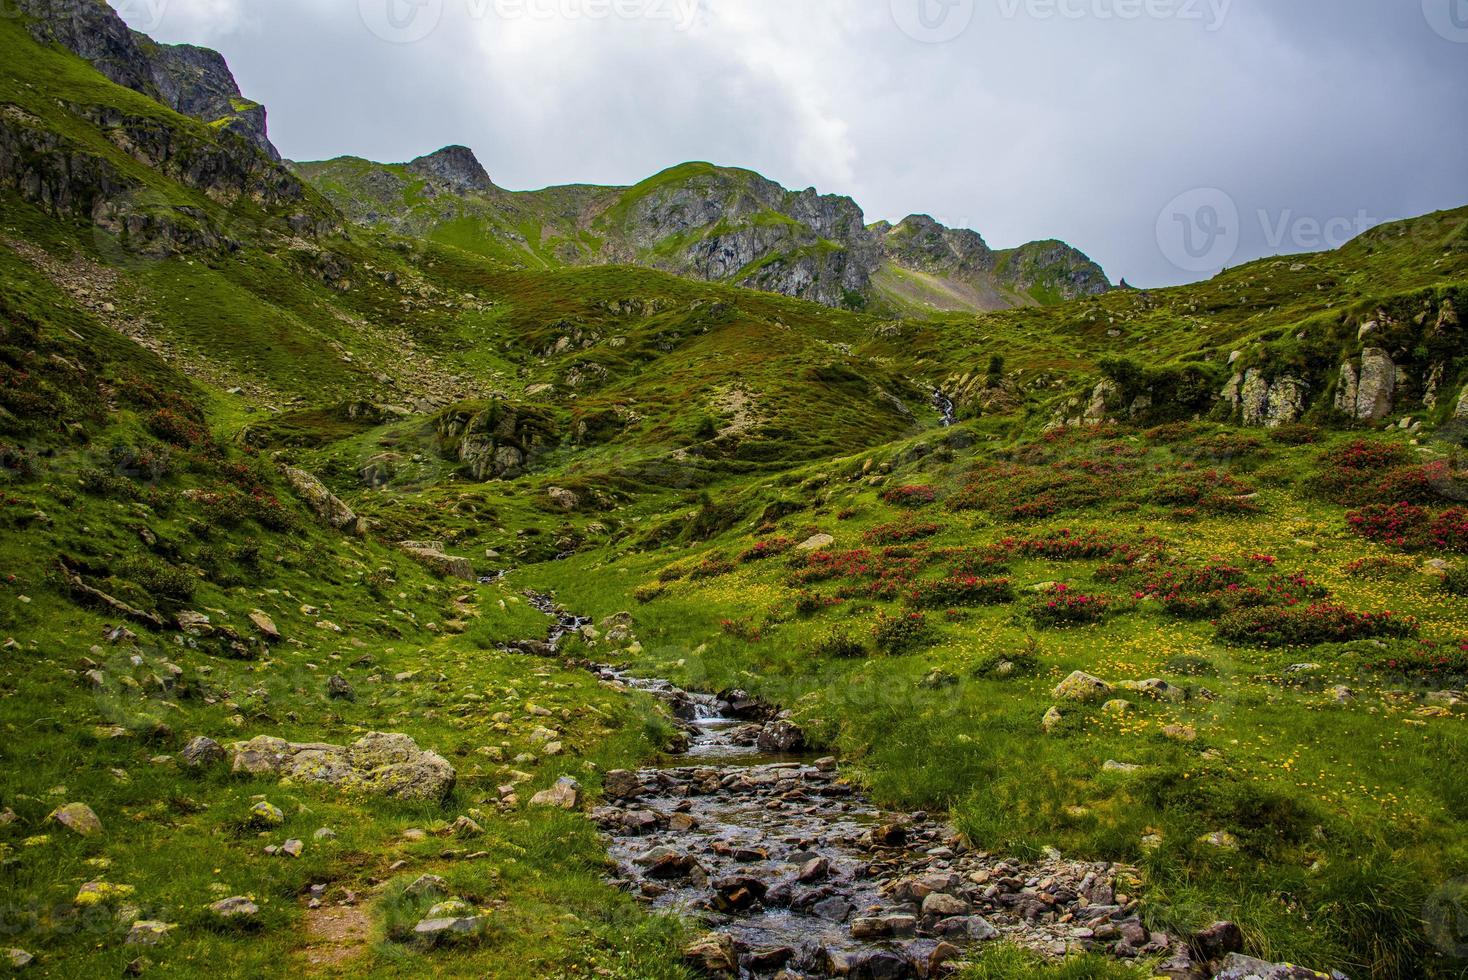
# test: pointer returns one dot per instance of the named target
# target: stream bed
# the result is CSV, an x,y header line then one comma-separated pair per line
x,y
797,874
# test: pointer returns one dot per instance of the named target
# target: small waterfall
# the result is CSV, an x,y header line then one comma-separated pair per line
x,y
945,405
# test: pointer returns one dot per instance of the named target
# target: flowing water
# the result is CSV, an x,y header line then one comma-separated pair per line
x,y
799,875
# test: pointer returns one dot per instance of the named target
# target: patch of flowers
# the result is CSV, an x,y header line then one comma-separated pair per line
x,y
968,590
1061,605
768,548
1406,525
914,495
898,532
1308,625
899,633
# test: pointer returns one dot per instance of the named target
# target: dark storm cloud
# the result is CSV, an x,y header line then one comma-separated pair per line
x,y
1164,137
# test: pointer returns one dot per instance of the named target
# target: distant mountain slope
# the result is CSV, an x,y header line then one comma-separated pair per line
x,y
719,224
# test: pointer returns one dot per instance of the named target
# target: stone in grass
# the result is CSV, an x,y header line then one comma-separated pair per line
x,y
564,795
1240,967
235,909
149,932
202,752
78,818
338,689
292,848
18,959
450,929
1052,720
427,885
454,908
94,893
266,814
1081,686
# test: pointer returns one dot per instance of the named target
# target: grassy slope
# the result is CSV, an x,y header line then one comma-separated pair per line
x,y
1376,778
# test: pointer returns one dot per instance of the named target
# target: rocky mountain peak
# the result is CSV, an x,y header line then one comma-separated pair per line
x,y
456,168
190,80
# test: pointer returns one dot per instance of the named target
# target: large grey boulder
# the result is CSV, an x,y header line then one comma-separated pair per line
x,y
378,764
1377,386
325,504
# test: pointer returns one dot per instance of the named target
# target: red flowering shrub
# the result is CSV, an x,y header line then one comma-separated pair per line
x,y
910,496
1065,546
900,531
961,591
808,603
741,629
179,429
1438,666
1060,605
1300,625
1380,568
901,633
711,567
1205,490
767,549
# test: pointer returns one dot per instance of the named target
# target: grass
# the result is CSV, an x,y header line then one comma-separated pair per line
x,y
694,421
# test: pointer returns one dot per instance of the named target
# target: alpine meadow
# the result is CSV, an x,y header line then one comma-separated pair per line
x,y
403,575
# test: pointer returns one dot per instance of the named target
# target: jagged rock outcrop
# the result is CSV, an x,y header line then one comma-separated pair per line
x,y
1257,400
497,440
1377,385
190,80
1461,412
454,170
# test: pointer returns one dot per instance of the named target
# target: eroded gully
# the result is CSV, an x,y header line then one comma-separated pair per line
x,y
797,874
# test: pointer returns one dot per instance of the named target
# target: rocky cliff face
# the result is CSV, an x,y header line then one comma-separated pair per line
x,y
99,172
193,81
453,170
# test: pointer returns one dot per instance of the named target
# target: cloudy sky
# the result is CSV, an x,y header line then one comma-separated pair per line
x,y
1166,138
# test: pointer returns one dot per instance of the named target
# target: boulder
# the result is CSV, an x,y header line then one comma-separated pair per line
x,y
426,885
1377,385
235,909
1081,686
78,818
563,499
1237,966
17,959
779,737
450,929
148,932
266,814
265,625
202,752
712,954
816,542
1347,389
323,502
338,689
940,905
1461,412
1217,941
564,795
434,559
380,764
1052,720
621,784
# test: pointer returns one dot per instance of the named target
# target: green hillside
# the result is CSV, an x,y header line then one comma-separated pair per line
x,y
1238,503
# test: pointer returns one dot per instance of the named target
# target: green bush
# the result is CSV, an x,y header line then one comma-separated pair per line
x,y
838,642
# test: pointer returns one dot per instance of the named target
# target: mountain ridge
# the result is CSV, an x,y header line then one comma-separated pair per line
x,y
717,223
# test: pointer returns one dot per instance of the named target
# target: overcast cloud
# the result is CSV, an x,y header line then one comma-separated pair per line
x,y
1165,138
